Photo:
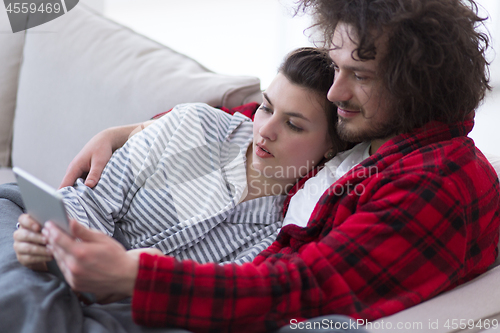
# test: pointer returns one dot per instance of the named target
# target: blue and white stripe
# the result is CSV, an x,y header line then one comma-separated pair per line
x,y
176,186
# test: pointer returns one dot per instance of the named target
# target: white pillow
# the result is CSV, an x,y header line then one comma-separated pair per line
x,y
82,73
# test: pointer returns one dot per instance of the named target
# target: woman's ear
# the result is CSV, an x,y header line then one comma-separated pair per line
x,y
329,154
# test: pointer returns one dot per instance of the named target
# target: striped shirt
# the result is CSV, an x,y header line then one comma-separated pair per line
x,y
176,186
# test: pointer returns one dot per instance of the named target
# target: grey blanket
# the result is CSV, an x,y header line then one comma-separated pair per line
x,y
38,302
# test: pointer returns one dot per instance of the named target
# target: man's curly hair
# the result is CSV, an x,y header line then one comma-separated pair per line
x,y
435,66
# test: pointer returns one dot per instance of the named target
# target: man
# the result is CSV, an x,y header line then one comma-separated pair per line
x,y
409,76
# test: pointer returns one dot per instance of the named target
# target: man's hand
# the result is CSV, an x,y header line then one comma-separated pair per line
x,y
136,253
30,244
95,155
140,128
93,262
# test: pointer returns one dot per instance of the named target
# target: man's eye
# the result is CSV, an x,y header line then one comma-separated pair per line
x,y
360,78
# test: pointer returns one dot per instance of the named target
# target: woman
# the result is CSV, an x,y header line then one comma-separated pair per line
x,y
154,190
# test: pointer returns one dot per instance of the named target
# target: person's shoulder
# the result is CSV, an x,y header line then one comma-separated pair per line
x,y
454,156
199,113
199,109
456,164
214,120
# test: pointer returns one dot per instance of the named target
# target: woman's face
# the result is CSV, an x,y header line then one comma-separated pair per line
x,y
290,133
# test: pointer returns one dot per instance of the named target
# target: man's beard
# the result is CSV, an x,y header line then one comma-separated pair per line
x,y
376,131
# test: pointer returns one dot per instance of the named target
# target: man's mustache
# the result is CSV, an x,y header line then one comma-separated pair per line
x,y
348,106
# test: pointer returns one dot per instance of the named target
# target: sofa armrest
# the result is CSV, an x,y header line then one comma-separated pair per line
x,y
6,176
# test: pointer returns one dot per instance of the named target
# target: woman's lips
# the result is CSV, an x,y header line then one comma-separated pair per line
x,y
262,151
347,113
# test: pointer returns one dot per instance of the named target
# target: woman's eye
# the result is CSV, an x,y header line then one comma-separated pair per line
x,y
265,109
293,127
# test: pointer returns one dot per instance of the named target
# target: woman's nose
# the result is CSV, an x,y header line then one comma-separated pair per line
x,y
268,130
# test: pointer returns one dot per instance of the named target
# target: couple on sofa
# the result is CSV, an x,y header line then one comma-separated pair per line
x,y
367,245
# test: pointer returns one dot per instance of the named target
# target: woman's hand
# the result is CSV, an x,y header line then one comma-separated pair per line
x,y
93,262
94,156
30,244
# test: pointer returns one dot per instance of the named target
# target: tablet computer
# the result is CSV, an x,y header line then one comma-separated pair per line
x,y
43,203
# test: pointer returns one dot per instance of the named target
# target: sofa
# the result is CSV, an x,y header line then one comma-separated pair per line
x,y
80,73
64,81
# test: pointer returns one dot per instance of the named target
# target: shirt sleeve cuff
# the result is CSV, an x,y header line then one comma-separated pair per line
x,y
151,290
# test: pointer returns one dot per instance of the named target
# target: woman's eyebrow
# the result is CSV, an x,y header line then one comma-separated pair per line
x,y
290,114
267,98
298,115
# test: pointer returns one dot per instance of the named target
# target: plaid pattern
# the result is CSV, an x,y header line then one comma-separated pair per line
x,y
377,243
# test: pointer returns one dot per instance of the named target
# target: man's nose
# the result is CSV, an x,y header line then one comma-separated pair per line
x,y
340,89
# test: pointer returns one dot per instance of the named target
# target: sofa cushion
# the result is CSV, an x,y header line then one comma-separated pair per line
x,y
82,73
10,59
474,300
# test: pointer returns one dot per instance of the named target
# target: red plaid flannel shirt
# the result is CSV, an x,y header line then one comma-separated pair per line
x,y
417,218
